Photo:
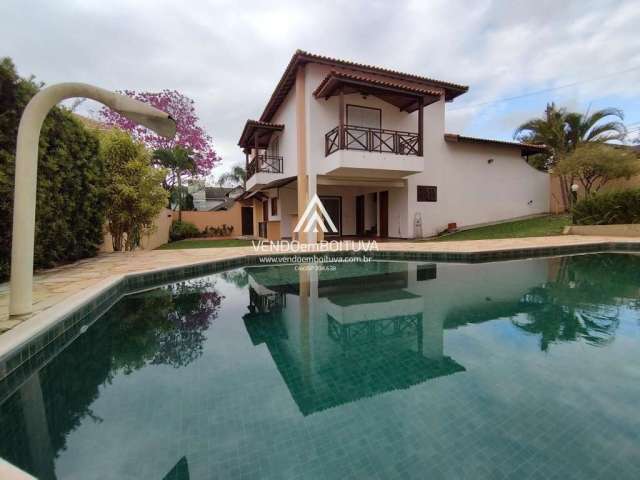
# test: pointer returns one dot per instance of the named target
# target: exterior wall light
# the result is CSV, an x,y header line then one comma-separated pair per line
x,y
24,204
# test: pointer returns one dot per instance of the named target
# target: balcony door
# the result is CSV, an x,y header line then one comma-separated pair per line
x,y
274,147
366,117
362,119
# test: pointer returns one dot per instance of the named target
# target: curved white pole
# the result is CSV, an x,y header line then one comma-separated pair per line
x,y
24,202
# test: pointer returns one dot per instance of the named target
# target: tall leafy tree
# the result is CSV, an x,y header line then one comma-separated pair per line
x,y
179,162
588,127
562,132
235,176
549,130
70,193
595,164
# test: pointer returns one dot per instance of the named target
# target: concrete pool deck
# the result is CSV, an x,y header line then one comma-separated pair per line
x,y
54,286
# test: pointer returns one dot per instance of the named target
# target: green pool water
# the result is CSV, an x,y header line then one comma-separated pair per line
x,y
518,369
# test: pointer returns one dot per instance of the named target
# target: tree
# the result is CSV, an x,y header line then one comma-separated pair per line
x,y
550,130
179,161
582,128
596,164
135,195
562,132
183,198
189,135
235,176
70,184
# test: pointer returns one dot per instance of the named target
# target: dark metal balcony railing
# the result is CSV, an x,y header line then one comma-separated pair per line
x,y
264,163
371,140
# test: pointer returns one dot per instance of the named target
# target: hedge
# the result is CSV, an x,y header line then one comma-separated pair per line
x,y
609,208
70,195
181,230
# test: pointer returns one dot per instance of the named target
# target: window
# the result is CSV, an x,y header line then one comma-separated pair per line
x,y
274,206
427,272
427,193
364,116
274,147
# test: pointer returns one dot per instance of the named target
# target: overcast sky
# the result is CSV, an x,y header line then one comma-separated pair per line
x,y
229,55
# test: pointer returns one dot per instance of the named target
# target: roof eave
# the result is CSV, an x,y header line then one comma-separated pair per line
x,y
525,148
301,57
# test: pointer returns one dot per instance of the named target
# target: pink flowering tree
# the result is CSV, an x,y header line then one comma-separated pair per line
x,y
189,135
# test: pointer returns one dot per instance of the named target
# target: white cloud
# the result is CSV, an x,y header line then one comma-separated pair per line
x,y
228,56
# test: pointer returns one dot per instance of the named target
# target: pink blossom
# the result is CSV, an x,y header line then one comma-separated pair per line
x,y
189,134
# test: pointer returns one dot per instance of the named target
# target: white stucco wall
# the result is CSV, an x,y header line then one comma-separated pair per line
x,y
286,115
288,208
470,190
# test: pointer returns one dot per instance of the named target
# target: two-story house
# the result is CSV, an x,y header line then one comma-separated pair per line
x,y
371,143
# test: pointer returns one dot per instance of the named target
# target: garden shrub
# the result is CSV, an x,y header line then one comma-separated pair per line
x,y
181,230
222,231
608,208
135,195
70,196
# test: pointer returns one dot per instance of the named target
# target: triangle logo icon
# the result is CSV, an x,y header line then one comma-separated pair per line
x,y
315,218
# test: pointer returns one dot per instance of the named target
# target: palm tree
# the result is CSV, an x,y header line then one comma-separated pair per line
x,y
236,176
562,132
178,161
549,130
587,127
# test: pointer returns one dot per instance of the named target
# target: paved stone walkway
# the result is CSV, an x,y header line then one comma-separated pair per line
x,y
53,286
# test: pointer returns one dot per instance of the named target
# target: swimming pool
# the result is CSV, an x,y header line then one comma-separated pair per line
x,y
387,369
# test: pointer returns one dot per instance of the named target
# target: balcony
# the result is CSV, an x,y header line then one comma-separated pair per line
x,y
374,153
264,163
371,140
263,169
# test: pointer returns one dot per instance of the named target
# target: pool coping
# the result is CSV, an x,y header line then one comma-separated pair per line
x,y
30,345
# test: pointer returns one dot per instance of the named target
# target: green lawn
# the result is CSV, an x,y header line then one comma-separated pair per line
x,y
185,244
532,227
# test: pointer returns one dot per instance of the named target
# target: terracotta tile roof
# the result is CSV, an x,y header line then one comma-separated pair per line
x,y
527,148
216,193
252,125
300,57
373,81
260,123
226,205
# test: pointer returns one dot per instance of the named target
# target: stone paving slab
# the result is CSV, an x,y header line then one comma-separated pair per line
x,y
55,285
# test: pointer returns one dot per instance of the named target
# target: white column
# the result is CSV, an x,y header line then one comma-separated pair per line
x,y
432,337
312,237
35,419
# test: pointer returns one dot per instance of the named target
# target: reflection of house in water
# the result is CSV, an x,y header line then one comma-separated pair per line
x,y
338,336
